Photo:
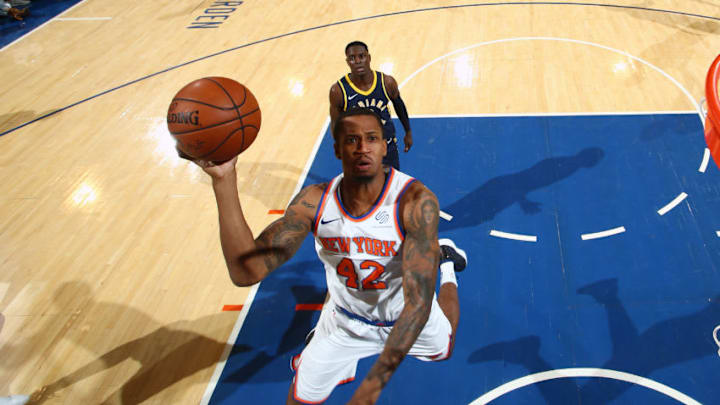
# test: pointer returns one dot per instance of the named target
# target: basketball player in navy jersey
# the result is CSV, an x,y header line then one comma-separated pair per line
x,y
363,87
376,234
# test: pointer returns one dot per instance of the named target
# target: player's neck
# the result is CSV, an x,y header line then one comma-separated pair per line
x,y
359,196
363,81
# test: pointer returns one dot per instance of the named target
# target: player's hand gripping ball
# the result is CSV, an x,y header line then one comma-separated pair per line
x,y
213,119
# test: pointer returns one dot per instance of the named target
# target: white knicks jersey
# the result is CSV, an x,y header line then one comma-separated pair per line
x,y
362,255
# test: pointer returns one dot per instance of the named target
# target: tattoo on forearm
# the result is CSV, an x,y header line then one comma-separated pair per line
x,y
287,233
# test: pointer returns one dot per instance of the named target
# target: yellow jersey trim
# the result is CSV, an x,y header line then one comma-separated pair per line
x,y
364,93
344,95
382,81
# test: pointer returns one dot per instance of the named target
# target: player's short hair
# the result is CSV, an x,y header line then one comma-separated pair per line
x,y
340,125
356,43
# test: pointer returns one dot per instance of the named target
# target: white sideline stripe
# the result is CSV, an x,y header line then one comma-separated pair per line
x,y
514,236
664,210
82,19
583,372
251,295
706,159
43,24
228,347
603,234
444,215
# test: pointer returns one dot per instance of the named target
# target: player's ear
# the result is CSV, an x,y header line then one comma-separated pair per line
x,y
336,148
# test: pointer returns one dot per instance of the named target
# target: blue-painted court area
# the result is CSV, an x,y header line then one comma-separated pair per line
x,y
643,302
40,12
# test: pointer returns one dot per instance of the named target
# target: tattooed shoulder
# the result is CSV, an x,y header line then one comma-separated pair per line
x,y
420,208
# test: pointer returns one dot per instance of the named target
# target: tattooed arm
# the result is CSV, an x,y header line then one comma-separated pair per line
x,y
420,255
251,260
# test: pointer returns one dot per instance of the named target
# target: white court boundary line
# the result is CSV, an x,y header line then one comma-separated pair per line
x,y
672,204
43,24
229,346
583,372
251,295
603,234
715,337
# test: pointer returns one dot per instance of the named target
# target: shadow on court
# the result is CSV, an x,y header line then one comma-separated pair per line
x,y
663,344
175,351
485,202
12,120
166,355
270,360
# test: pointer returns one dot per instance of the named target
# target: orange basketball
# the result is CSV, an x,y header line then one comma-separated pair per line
x,y
214,118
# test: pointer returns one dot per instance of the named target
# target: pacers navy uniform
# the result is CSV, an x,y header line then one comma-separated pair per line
x,y
375,97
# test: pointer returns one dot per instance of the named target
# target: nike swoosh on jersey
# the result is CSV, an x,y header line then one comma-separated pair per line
x,y
322,221
352,97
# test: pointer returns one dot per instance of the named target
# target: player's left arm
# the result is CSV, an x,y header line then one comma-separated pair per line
x,y
420,256
394,93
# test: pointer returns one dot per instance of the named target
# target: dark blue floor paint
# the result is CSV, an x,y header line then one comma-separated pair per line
x,y
40,11
643,302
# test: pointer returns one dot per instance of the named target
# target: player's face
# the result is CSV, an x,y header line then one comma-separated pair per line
x,y
358,59
361,147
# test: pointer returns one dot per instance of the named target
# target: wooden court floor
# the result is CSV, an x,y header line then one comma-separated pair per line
x,y
112,282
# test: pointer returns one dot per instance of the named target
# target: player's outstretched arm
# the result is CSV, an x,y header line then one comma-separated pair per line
x,y
420,256
250,260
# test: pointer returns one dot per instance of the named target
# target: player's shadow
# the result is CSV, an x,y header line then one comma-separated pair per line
x,y
172,352
269,361
499,193
663,344
166,355
12,120
254,178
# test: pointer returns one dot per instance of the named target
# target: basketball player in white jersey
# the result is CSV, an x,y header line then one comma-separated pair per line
x,y
376,234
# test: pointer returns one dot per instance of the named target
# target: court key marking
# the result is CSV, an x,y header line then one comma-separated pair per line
x,y
695,103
